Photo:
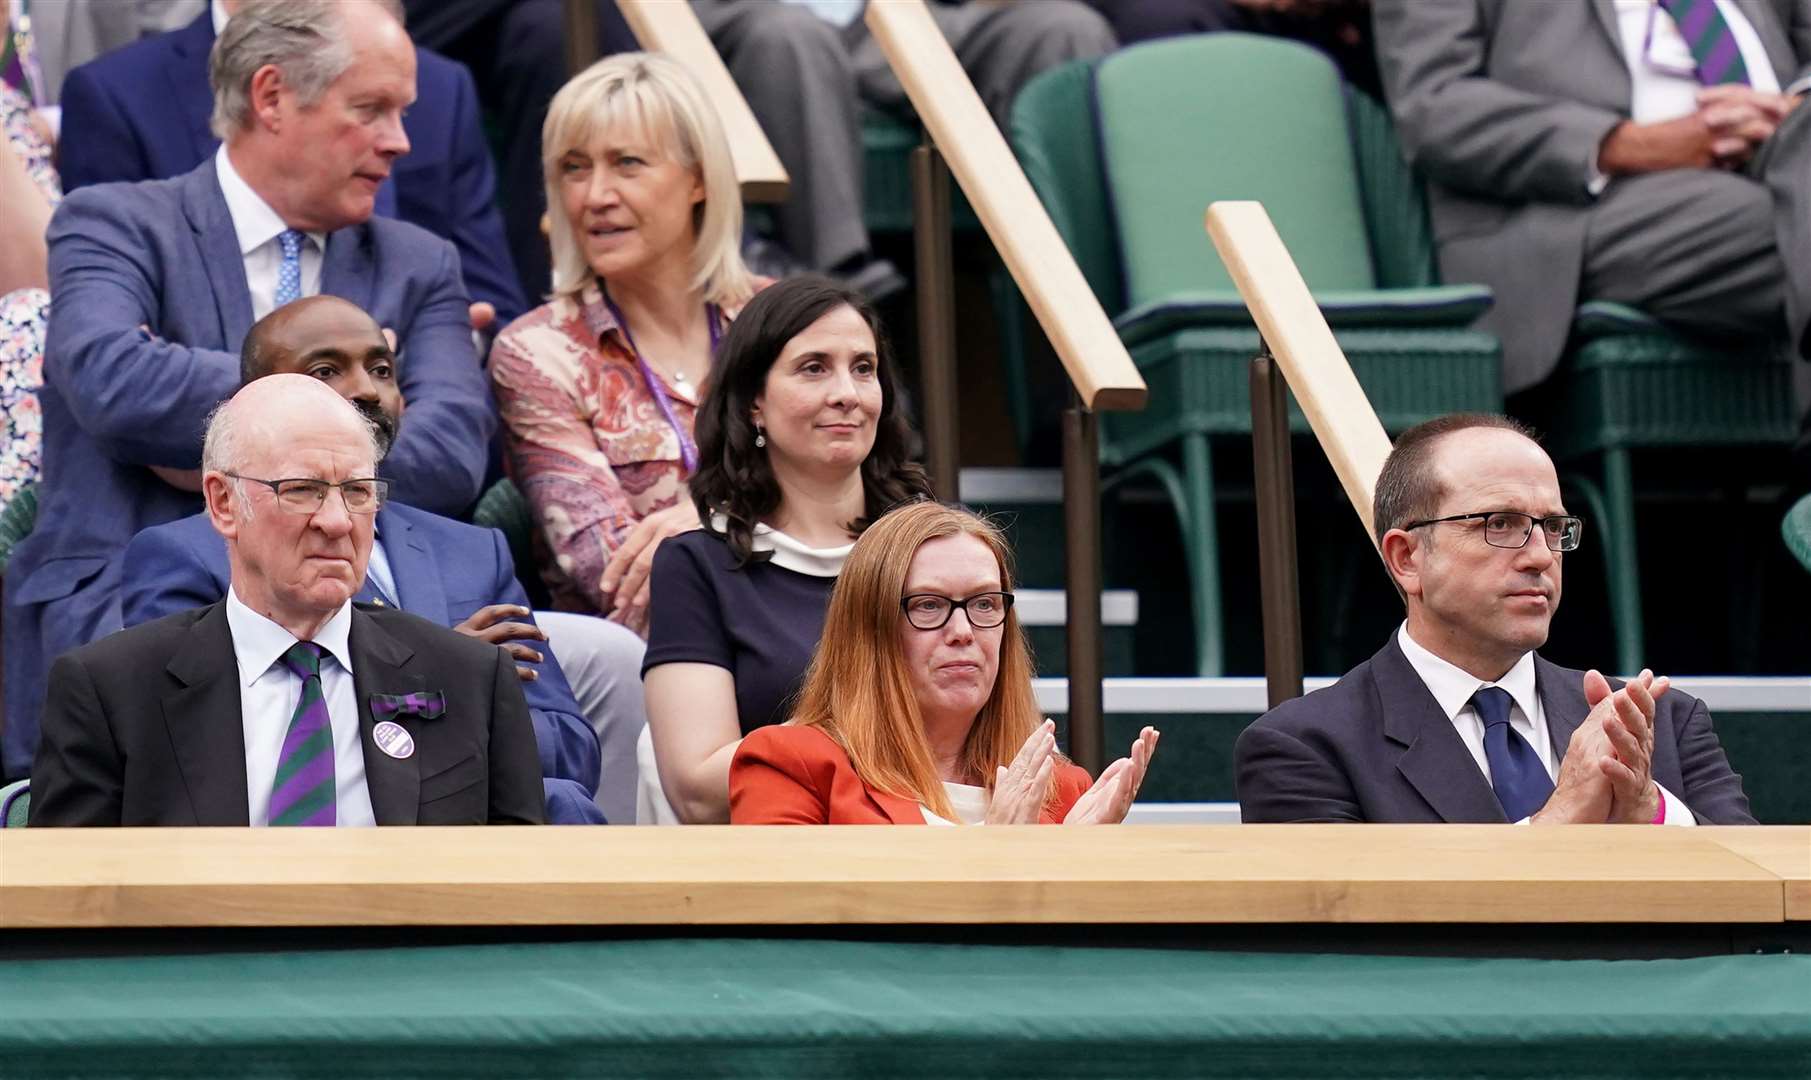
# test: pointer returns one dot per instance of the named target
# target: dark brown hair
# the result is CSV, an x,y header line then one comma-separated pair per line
x,y
1407,488
734,476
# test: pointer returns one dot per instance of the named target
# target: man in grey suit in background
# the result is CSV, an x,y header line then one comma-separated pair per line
x,y
1643,152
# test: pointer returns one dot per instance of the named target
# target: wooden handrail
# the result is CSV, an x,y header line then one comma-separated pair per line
x,y
1170,874
1303,346
671,28
1085,341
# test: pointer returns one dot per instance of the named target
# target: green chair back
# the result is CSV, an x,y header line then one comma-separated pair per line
x,y
504,507
1058,146
15,804
1797,531
16,520
1168,154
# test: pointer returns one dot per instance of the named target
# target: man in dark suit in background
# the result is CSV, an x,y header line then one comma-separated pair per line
x,y
457,575
153,286
285,703
1457,718
1651,154
141,113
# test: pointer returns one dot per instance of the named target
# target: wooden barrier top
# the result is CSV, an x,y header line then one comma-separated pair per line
x,y
1085,341
672,29
1779,849
1303,345
801,876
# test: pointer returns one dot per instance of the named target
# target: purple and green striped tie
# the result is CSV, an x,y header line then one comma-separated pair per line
x,y
1712,43
302,793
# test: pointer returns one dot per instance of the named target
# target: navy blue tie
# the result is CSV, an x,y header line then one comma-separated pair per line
x,y
1521,781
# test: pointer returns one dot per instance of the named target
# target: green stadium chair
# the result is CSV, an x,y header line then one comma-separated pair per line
x,y
1627,384
16,520
15,804
1126,154
504,507
1796,529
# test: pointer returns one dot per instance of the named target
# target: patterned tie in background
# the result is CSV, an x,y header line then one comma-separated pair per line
x,y
302,793
289,275
1712,43
1521,781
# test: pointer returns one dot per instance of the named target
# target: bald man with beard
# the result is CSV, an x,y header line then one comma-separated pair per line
x,y
458,575
286,703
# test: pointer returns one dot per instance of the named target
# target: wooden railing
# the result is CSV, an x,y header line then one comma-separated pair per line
x,y
1296,346
669,27
962,139
1247,874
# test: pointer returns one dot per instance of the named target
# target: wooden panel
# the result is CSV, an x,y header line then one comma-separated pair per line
x,y
727,875
981,162
1784,850
670,27
1303,344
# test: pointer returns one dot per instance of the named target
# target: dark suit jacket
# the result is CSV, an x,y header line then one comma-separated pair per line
x,y
144,728
444,569
162,254
789,775
1501,105
1376,747
141,113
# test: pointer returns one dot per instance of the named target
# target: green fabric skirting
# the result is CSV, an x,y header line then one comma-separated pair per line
x,y
717,1007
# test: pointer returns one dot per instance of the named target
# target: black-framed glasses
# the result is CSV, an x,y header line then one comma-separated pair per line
x,y
1511,528
362,495
929,611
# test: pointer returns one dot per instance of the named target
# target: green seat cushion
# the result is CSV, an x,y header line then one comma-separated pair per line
x,y
1189,121
1439,306
1796,528
15,804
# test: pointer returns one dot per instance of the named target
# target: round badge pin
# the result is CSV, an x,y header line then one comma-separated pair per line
x,y
392,739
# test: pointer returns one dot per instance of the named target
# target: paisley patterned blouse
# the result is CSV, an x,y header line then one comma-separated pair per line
x,y
588,443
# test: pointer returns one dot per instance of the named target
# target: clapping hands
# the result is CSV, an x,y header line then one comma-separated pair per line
x,y
1107,802
1022,788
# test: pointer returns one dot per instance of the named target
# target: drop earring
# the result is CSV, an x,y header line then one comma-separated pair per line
x,y
760,438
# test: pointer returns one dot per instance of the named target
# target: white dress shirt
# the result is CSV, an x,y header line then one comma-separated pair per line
x,y
1661,84
268,692
258,227
1453,687
967,801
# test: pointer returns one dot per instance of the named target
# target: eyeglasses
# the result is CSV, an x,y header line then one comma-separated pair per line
x,y
1510,529
299,496
929,611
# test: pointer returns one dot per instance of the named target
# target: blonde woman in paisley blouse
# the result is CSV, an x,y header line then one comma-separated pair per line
x,y
598,387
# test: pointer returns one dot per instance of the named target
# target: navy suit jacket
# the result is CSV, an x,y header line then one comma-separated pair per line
x,y
444,571
1376,747
141,113
149,305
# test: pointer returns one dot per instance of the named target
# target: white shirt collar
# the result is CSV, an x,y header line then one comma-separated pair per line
x,y
1453,687
258,642
790,553
255,223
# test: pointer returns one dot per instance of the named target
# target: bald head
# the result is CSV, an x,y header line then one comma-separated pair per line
x,y
334,341
264,415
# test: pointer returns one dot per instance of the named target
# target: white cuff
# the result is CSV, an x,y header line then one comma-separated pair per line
x,y
1677,813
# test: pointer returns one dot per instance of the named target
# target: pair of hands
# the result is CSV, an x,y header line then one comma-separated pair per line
x,y
625,580
492,623
1730,122
1606,775
1021,788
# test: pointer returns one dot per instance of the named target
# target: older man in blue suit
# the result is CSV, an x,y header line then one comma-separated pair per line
x,y
153,286
458,575
141,113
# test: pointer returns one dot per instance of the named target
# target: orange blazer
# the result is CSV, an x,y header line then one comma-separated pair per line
x,y
786,775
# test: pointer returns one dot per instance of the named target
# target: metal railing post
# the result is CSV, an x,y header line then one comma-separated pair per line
x,y
1081,566
1278,581
581,35
936,285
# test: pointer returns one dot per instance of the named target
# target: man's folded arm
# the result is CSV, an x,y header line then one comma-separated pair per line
x,y
143,399
1281,779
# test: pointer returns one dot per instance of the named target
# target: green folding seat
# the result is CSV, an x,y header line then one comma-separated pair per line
x,y
16,520
1127,152
1796,529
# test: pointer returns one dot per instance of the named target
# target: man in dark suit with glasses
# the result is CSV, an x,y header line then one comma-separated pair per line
x,y
1457,718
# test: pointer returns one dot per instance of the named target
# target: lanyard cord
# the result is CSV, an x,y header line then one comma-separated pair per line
x,y
688,450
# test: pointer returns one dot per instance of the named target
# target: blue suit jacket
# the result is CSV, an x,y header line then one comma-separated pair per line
x,y
163,255
444,571
141,113
1375,746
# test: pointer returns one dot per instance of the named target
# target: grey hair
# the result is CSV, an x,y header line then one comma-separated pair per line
x,y
303,38
223,447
